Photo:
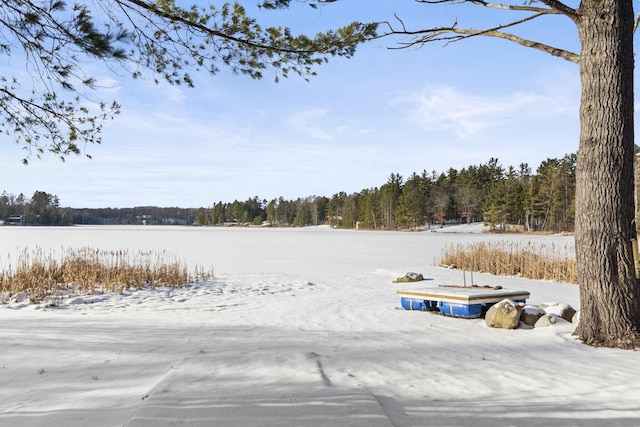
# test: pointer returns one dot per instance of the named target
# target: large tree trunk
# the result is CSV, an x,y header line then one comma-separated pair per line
x,y
609,293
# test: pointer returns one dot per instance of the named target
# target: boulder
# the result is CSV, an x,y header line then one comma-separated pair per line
x,y
548,320
531,314
563,310
409,277
505,315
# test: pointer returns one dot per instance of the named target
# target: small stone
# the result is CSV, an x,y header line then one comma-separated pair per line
x,y
409,277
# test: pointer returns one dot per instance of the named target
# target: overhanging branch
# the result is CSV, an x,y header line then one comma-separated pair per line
x,y
453,33
561,53
554,6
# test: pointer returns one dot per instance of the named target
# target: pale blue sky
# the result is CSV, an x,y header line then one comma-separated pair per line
x,y
381,112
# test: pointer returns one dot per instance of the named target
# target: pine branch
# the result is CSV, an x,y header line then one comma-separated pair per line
x,y
52,113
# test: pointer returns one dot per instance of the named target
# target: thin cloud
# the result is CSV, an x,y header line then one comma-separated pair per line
x,y
447,109
317,123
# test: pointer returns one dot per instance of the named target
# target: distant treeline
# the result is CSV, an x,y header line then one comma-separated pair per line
x,y
502,198
44,209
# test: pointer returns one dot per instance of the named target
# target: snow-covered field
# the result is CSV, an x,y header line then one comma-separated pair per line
x,y
300,327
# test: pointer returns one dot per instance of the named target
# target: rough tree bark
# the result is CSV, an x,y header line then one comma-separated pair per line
x,y
609,292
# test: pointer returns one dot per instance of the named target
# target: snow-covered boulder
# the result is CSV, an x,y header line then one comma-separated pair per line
x,y
576,318
409,277
505,315
530,315
565,311
548,320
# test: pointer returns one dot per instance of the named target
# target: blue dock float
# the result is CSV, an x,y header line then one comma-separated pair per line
x,y
467,302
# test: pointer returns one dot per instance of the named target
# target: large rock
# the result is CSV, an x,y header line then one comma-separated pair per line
x,y
563,310
505,315
531,314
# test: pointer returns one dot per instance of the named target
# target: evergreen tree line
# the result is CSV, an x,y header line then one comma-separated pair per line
x,y
41,209
500,197
279,212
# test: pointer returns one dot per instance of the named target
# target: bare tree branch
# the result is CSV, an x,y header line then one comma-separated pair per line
x,y
561,7
561,53
554,7
453,33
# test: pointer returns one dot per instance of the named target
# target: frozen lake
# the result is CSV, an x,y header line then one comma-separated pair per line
x,y
262,250
299,327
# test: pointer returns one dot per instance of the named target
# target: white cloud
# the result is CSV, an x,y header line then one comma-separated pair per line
x,y
447,109
107,84
317,123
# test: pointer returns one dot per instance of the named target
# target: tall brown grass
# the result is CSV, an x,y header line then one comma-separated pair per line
x,y
528,260
43,276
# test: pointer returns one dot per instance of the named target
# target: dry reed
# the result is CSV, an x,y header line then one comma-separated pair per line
x,y
41,276
537,262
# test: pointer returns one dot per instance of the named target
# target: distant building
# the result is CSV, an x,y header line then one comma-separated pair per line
x,y
15,220
143,219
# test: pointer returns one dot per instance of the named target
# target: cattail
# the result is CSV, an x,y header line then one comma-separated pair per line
x,y
85,271
538,262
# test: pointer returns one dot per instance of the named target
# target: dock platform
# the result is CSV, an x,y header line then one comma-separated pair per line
x,y
458,301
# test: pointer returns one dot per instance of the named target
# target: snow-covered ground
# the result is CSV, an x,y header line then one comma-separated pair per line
x,y
300,327
474,227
